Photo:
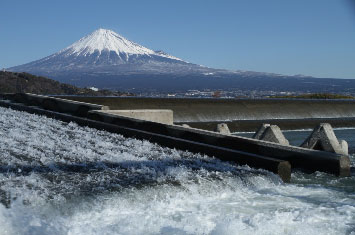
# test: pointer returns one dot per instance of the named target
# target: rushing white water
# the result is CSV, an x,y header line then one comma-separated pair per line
x,y
59,178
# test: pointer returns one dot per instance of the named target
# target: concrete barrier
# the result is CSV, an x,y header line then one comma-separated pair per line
x,y
284,124
323,138
155,115
270,133
223,129
307,159
58,104
260,131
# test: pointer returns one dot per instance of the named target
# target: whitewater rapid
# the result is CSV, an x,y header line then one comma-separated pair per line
x,y
60,178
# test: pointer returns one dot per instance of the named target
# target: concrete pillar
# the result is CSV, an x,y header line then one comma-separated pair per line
x,y
271,133
223,129
344,146
260,131
323,138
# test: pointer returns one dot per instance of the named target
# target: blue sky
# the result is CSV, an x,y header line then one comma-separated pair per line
x,y
310,37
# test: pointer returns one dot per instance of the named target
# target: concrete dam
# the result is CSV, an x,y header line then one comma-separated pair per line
x,y
239,114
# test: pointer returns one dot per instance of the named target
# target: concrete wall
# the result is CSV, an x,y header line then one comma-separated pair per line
x,y
241,114
155,115
56,104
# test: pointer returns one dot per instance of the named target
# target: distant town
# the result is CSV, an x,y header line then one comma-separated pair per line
x,y
238,93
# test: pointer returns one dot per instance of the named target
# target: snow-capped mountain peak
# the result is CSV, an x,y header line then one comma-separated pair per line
x,y
106,40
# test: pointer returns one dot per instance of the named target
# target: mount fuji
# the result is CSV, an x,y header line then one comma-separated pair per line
x,y
105,59
106,51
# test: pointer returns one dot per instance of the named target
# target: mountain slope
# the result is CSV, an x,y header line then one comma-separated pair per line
x,y
24,82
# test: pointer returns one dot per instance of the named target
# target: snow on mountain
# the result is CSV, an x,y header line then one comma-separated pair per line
x,y
103,39
107,40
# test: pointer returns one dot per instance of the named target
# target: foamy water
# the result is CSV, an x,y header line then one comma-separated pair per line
x,y
59,178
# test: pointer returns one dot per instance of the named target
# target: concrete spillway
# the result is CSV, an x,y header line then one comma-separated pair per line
x,y
241,114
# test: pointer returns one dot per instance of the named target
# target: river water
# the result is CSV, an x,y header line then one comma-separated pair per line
x,y
60,178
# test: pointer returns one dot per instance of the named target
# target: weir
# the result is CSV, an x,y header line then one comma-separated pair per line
x,y
255,153
240,114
